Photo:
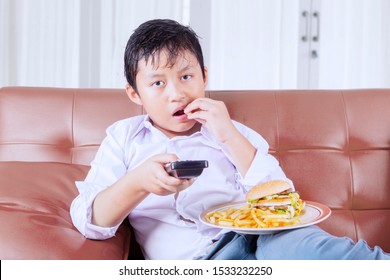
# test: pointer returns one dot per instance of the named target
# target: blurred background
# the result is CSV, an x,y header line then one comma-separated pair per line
x,y
247,44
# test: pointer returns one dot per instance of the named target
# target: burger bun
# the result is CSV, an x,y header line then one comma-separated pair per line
x,y
267,188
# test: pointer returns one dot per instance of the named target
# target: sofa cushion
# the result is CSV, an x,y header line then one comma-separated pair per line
x,y
34,214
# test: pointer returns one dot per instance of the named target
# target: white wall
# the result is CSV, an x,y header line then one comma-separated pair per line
x,y
251,44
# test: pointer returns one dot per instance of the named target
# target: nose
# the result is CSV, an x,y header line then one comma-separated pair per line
x,y
176,92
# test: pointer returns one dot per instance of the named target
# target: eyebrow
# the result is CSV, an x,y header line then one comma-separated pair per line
x,y
153,76
158,75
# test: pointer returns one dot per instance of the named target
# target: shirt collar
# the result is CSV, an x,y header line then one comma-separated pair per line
x,y
144,124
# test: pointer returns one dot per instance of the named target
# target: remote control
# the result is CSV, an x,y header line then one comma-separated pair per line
x,y
186,169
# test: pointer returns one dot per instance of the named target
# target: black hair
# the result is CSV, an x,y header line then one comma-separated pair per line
x,y
157,35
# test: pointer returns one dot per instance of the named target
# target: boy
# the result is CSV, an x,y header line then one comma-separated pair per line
x,y
166,75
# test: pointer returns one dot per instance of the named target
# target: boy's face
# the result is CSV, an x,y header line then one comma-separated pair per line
x,y
164,91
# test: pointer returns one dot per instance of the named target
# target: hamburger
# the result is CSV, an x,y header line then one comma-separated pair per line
x,y
277,198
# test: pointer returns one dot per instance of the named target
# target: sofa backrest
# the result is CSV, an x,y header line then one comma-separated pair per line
x,y
58,124
334,145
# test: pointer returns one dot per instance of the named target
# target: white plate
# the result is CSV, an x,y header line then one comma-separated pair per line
x,y
313,213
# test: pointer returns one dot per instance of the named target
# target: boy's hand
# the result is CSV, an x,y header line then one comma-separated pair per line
x,y
131,189
153,178
214,115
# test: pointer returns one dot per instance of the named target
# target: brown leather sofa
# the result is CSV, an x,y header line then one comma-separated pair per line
x,y
334,145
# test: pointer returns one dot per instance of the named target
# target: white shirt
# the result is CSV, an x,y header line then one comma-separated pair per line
x,y
158,220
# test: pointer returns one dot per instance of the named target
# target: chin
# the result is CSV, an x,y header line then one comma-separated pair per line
x,y
182,129
187,128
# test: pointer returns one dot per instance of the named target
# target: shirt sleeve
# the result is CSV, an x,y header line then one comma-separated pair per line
x,y
106,168
264,166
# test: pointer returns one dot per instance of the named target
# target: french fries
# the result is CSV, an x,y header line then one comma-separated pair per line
x,y
248,217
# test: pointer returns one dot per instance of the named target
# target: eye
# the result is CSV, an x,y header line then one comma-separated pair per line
x,y
158,84
186,77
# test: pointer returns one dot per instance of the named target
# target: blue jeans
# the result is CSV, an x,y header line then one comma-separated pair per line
x,y
309,243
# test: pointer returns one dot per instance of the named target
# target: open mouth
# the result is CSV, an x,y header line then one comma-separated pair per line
x,y
179,113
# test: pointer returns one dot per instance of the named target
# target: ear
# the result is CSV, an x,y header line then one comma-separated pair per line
x,y
133,95
206,76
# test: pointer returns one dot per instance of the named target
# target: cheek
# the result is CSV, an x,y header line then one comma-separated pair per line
x,y
156,107
198,92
